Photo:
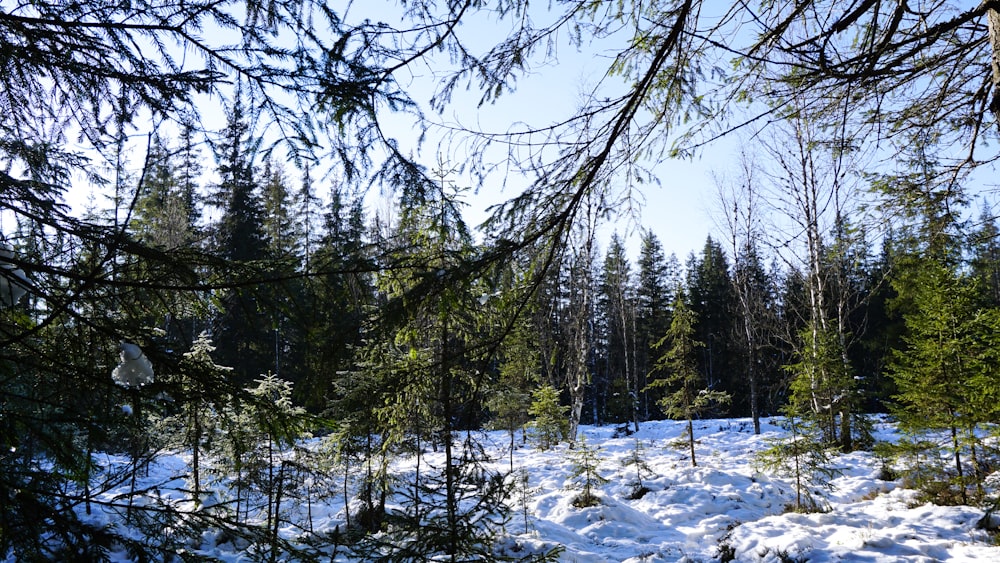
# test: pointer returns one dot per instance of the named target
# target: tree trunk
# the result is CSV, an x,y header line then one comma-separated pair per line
x,y
694,463
993,26
958,461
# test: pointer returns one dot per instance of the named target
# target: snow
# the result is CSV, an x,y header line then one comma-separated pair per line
x,y
725,505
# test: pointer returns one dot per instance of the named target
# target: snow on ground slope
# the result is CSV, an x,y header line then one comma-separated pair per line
x,y
724,508
725,505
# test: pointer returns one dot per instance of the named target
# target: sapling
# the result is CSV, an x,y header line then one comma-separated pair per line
x,y
550,424
804,458
688,397
585,476
636,461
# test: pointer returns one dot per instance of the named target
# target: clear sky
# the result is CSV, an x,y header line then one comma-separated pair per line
x,y
678,211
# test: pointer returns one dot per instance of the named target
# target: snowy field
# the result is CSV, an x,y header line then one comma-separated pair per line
x,y
723,509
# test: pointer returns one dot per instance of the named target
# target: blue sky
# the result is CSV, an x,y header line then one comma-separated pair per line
x,y
679,211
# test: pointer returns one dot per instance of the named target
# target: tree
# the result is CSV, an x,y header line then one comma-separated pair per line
x,y
549,423
93,71
948,330
585,476
656,276
813,196
244,324
710,295
754,322
578,328
196,419
687,396
936,374
615,311
985,242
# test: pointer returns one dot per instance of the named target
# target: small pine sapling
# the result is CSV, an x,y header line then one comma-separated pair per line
x,y
523,495
585,477
636,461
550,423
804,457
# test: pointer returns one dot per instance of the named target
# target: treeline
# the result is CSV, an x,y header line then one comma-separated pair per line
x,y
327,286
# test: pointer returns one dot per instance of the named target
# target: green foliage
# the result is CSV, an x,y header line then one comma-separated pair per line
x,y
550,424
195,422
688,397
637,462
943,377
523,495
823,389
585,476
803,458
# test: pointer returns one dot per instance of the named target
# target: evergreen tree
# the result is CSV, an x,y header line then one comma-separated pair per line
x,y
510,399
451,510
195,422
687,396
337,300
946,342
585,476
278,207
803,458
985,243
656,276
615,385
710,294
755,327
244,330
938,373
549,423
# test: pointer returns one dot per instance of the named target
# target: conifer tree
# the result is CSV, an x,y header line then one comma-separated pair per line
x,y
452,508
586,476
243,330
196,422
936,373
616,314
710,297
657,274
687,396
549,423
510,399
804,458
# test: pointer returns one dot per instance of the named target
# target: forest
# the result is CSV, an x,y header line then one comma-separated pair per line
x,y
229,289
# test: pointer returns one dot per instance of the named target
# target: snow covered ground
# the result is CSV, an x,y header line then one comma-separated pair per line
x,y
723,508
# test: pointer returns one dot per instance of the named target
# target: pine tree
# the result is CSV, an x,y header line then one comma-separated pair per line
x,y
656,276
934,373
710,293
585,476
687,396
985,242
549,423
510,399
243,328
802,457
196,422
450,510
615,311
637,462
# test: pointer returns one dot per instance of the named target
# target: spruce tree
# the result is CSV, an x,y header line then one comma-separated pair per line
x,y
687,397
244,328
586,477
710,294
615,311
657,274
936,373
